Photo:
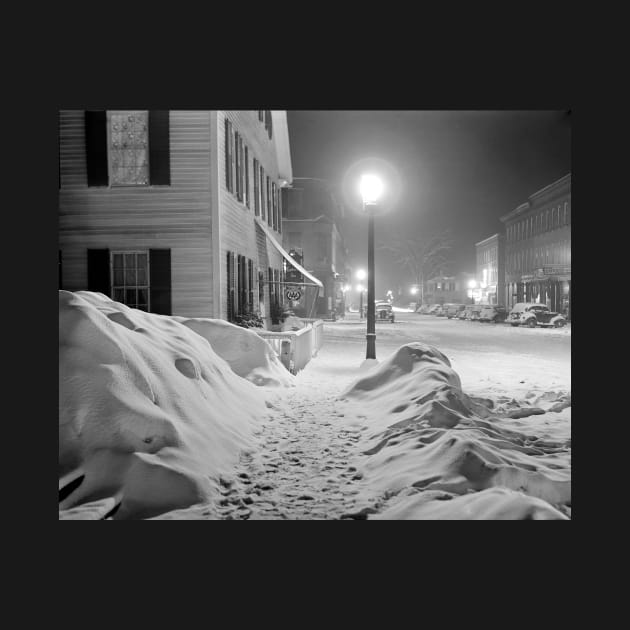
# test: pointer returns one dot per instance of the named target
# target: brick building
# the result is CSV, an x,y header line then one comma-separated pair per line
x,y
538,248
174,212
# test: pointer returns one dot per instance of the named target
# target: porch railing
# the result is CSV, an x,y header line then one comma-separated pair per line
x,y
296,348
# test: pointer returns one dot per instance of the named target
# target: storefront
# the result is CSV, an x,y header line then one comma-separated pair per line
x,y
550,285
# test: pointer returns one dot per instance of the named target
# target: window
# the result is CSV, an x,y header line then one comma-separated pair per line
x,y
246,175
127,148
269,203
280,211
263,204
256,189
237,166
229,156
231,286
240,153
274,205
268,124
261,115
130,278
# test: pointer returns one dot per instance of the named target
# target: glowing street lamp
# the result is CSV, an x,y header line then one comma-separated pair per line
x,y
371,188
361,290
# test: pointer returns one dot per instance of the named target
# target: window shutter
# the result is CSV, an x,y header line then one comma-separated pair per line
x,y
269,206
230,309
98,271
228,160
232,159
159,148
96,147
280,206
263,206
246,177
234,285
160,281
250,270
237,161
241,174
256,188
274,196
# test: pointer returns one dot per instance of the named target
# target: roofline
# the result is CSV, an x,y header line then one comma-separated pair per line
x,y
558,182
528,204
497,236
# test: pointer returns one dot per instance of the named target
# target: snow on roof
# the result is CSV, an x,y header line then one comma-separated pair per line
x,y
149,412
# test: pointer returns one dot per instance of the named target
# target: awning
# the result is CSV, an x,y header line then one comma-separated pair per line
x,y
274,242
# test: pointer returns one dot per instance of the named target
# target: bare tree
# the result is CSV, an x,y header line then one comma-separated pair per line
x,y
423,256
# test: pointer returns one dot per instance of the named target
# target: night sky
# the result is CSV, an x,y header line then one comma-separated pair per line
x,y
457,170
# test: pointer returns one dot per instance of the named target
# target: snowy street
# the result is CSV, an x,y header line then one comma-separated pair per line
x,y
311,453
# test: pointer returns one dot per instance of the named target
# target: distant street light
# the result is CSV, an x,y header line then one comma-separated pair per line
x,y
414,290
360,289
361,275
371,188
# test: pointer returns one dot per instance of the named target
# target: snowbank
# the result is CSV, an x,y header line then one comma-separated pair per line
x,y
491,504
149,414
249,355
426,434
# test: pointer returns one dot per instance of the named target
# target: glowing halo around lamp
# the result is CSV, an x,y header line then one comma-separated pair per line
x,y
371,188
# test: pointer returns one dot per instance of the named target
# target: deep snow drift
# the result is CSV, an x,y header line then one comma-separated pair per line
x,y
249,355
436,453
150,414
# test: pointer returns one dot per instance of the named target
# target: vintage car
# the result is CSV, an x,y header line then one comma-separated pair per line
x,y
433,309
475,311
465,312
440,311
424,309
493,313
532,314
452,310
384,311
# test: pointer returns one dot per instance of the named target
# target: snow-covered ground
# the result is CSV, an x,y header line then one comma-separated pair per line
x,y
457,420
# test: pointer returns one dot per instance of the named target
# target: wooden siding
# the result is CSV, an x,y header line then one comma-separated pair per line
x,y
238,226
176,216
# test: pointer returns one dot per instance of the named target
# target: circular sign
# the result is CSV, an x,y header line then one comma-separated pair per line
x,y
293,294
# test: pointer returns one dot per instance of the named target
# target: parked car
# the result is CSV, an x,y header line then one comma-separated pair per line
x,y
531,314
452,310
465,312
493,313
424,309
441,310
474,313
433,309
384,311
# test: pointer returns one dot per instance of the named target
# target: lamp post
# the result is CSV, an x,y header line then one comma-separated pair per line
x,y
371,189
